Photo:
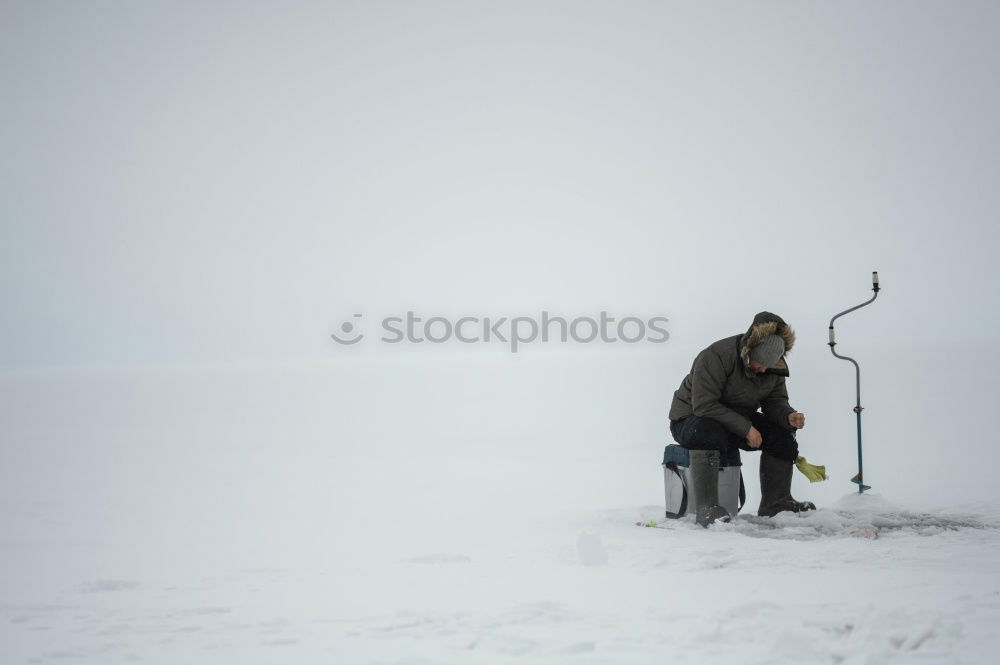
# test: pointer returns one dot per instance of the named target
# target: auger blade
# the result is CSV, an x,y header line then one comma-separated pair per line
x,y
857,481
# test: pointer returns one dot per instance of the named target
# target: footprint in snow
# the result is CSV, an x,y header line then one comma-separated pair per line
x,y
439,558
100,586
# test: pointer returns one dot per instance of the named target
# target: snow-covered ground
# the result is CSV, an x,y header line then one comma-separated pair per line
x,y
815,589
242,517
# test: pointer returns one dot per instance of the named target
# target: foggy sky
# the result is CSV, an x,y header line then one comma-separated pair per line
x,y
229,182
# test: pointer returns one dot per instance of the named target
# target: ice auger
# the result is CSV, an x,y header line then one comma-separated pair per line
x,y
860,478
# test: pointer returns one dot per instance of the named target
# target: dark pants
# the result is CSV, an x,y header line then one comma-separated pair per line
x,y
697,433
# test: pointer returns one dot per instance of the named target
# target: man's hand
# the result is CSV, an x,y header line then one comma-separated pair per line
x,y
753,438
797,420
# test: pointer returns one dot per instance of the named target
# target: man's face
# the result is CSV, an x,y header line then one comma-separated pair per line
x,y
757,367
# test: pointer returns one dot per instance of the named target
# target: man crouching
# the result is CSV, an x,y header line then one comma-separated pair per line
x,y
716,408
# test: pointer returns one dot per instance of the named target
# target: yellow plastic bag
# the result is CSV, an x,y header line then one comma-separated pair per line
x,y
813,472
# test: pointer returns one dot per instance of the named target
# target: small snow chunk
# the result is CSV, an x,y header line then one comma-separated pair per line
x,y
591,550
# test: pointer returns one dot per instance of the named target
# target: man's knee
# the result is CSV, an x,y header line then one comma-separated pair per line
x,y
700,433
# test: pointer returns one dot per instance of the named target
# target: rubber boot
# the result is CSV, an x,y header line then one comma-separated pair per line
x,y
705,476
776,488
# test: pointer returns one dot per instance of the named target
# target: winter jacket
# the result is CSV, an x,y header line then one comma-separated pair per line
x,y
722,386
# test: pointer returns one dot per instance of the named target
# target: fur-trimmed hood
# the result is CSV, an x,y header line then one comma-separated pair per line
x,y
715,387
764,324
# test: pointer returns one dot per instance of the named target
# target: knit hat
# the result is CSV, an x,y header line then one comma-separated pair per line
x,y
769,351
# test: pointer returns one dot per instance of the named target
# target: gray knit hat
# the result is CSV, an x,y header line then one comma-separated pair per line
x,y
768,352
